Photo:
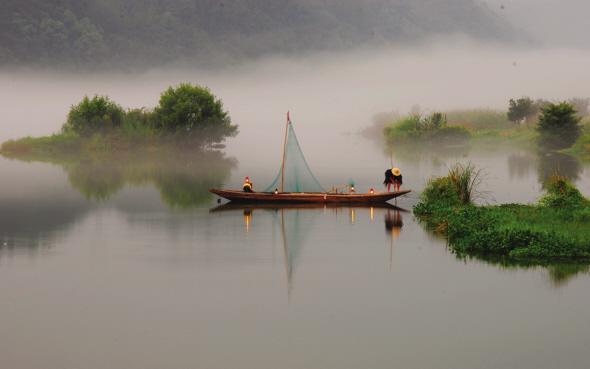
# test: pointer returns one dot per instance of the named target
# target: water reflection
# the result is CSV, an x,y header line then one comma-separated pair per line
x,y
554,163
521,164
393,226
559,273
520,161
182,178
295,222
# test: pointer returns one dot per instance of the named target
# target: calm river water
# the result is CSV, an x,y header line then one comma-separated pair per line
x,y
135,267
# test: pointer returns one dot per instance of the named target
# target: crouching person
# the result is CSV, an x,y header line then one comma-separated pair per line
x,y
248,186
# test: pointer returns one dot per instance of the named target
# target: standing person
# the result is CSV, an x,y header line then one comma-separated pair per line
x,y
248,186
388,179
397,179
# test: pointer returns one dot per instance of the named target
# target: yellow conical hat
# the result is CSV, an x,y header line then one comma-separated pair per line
x,y
396,171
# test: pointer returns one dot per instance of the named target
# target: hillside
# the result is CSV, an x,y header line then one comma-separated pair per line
x,y
152,32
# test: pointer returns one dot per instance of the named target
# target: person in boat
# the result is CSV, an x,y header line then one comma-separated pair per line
x,y
397,179
388,179
393,177
248,186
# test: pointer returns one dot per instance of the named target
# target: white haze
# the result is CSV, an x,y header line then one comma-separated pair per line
x,y
328,94
550,22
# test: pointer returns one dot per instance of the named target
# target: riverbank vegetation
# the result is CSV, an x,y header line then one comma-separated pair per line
x,y
425,128
556,228
527,122
187,116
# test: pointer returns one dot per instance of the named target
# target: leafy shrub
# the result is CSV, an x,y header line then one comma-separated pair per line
x,y
556,229
521,109
443,194
139,121
561,193
193,111
559,125
98,114
432,127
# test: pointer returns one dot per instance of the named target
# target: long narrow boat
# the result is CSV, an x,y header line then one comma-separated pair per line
x,y
240,205
307,198
286,194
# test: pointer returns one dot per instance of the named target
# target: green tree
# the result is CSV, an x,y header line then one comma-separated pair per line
x,y
559,125
521,109
193,111
94,115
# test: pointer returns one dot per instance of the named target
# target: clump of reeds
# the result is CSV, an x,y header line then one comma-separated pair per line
x,y
466,179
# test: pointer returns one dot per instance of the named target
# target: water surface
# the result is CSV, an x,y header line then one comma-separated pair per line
x,y
135,265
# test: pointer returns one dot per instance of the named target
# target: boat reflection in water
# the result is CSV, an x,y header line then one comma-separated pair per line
x,y
296,222
393,226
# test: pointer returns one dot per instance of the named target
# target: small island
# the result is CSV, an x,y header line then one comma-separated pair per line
x,y
555,229
174,147
187,115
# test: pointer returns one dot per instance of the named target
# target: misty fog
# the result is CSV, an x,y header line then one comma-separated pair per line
x,y
328,94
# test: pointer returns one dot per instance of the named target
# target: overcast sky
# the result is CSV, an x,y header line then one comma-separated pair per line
x,y
553,22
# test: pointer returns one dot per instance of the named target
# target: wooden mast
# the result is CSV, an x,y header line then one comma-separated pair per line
x,y
284,154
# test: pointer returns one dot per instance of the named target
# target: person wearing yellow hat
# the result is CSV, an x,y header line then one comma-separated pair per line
x,y
393,177
397,179
248,186
388,179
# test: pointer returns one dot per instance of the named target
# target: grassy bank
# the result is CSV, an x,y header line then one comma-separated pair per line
x,y
460,126
62,145
556,229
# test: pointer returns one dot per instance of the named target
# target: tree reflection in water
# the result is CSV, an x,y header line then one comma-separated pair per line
x,y
552,163
183,179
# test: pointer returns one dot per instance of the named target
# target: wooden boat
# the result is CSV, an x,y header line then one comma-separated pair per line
x,y
282,196
241,205
307,198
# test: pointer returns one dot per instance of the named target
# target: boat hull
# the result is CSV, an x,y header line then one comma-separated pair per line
x,y
307,198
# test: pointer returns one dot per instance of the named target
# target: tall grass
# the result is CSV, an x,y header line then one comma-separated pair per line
x,y
427,128
479,119
466,178
556,228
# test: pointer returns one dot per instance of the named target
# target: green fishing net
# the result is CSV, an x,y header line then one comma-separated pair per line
x,y
298,177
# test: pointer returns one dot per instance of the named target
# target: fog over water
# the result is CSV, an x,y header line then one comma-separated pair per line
x,y
107,269
327,93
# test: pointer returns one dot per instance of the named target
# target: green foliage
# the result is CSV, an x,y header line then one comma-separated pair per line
x,y
187,114
556,229
139,122
90,116
521,109
481,119
562,194
466,179
428,128
559,126
193,111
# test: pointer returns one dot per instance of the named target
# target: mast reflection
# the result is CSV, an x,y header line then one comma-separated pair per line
x,y
393,226
295,220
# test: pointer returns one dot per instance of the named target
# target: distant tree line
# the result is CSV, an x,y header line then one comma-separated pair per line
x,y
525,109
118,32
558,123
